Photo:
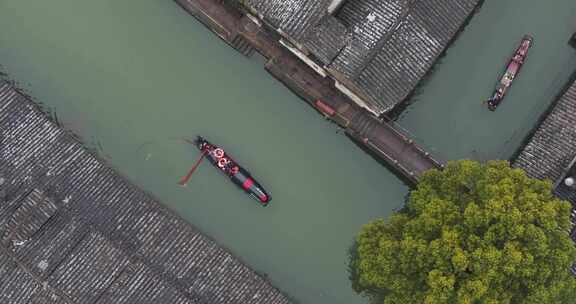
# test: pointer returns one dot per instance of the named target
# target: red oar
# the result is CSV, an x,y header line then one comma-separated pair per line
x,y
185,179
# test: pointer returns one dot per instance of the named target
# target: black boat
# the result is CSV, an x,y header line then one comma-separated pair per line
x,y
512,70
238,175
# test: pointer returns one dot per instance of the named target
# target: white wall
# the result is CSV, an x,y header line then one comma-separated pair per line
x,y
335,5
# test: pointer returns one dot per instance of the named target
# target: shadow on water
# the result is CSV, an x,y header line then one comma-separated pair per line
x,y
353,274
413,97
375,296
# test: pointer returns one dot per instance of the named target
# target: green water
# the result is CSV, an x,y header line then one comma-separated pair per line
x,y
132,77
447,113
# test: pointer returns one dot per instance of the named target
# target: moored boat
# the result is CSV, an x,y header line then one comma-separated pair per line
x,y
238,175
511,72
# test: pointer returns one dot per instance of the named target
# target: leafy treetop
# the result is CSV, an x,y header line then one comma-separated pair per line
x,y
469,234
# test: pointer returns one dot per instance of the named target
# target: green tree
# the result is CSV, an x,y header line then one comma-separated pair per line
x,y
470,234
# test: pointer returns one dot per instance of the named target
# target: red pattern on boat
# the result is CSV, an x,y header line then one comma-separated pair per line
x,y
511,72
247,184
238,175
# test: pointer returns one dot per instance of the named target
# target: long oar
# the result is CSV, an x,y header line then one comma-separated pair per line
x,y
188,141
186,178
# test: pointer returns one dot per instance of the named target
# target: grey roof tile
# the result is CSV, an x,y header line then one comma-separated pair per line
x,y
141,285
32,213
381,49
294,17
44,296
552,146
89,270
47,249
16,286
326,39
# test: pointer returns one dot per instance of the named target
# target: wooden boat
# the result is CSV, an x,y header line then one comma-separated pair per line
x,y
511,72
230,168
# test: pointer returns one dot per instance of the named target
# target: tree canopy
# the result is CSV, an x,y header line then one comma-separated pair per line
x,y
472,233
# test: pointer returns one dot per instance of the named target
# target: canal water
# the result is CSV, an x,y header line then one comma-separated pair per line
x,y
448,114
132,78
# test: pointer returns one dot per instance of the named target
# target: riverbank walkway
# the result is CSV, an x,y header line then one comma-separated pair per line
x,y
385,140
73,231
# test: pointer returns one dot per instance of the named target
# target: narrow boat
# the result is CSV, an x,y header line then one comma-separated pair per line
x,y
512,70
238,175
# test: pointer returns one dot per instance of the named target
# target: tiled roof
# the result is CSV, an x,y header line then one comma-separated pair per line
x,y
389,45
406,54
371,22
73,231
552,147
293,17
327,38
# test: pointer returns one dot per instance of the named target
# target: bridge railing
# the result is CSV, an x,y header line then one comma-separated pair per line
x,y
426,150
394,162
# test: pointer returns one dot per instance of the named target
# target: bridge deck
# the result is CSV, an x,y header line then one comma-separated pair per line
x,y
384,139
